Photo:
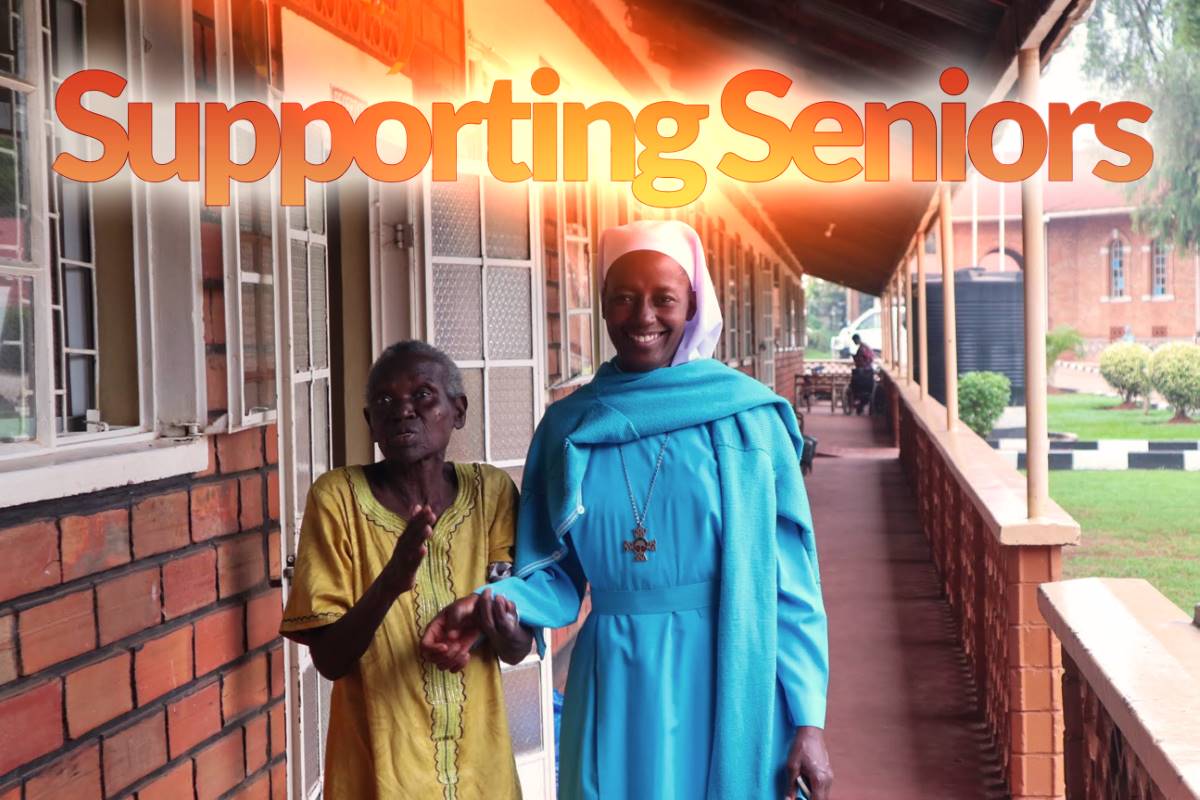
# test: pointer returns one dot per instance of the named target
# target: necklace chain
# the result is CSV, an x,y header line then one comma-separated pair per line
x,y
639,517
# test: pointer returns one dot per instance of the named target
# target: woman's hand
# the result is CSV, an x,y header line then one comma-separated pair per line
x,y
448,640
497,618
400,572
809,759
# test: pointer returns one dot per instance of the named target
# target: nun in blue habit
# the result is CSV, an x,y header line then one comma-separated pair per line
x,y
670,486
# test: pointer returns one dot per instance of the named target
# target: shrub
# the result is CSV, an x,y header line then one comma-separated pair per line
x,y
1175,373
982,397
1060,341
1125,365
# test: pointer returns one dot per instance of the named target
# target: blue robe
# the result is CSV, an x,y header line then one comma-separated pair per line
x,y
695,666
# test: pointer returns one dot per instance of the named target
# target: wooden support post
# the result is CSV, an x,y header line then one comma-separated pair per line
x,y
908,320
922,316
949,334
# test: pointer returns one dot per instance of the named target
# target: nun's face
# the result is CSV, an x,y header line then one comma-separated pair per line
x,y
647,302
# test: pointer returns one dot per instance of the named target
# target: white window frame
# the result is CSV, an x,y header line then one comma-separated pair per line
x,y
237,416
1117,255
171,406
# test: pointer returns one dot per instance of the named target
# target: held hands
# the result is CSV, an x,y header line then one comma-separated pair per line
x,y
809,759
460,626
401,569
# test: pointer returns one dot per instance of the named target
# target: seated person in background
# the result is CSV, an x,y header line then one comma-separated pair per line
x,y
383,548
862,379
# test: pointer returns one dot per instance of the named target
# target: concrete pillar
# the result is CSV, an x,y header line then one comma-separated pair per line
x,y
908,320
974,218
949,334
1033,245
885,321
922,316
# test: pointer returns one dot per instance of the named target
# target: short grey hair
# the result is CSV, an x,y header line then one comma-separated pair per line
x,y
415,349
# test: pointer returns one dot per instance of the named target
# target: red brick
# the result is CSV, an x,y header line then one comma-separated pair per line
x,y
1031,775
134,752
238,452
278,730
76,776
174,785
244,688
214,317
264,612
94,544
162,665
97,693
279,781
274,556
193,718
1027,564
271,443
160,524
32,724
57,630
211,469
276,656
212,264
128,604
219,766
29,554
214,509
273,495
1031,689
241,564
257,789
216,380
252,502
189,583
8,648
1029,646
1032,731
256,744
219,638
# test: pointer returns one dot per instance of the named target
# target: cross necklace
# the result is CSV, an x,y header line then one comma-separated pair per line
x,y
640,544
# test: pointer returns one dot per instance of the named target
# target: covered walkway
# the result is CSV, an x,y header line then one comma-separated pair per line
x,y
903,719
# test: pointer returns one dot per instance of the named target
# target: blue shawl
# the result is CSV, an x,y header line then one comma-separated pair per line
x,y
757,446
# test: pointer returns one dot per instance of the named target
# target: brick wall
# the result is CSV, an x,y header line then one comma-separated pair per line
x,y
1015,662
788,364
138,646
1078,277
1099,762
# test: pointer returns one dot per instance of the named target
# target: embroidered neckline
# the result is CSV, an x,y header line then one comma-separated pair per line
x,y
389,520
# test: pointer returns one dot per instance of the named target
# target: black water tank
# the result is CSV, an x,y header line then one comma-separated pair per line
x,y
990,315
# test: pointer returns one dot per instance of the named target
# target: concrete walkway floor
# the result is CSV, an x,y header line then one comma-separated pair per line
x,y
903,722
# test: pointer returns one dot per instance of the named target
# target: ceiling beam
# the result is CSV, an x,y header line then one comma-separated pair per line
x,y
871,29
964,13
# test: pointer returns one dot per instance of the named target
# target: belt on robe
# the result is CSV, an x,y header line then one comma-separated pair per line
x,y
688,597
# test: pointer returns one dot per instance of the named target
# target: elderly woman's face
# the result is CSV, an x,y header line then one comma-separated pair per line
x,y
647,302
410,414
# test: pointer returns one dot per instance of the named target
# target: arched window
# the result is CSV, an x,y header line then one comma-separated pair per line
x,y
1116,267
1158,268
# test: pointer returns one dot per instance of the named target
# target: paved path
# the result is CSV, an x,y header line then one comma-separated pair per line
x,y
902,720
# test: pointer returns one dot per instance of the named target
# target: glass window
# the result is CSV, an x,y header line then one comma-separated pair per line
x,y
749,261
1116,267
1158,268
567,232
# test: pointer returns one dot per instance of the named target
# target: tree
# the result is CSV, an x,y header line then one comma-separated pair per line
x,y
1060,341
826,306
1175,373
1151,49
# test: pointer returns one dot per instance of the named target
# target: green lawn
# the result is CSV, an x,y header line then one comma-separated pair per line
x,y
1089,416
814,354
1136,524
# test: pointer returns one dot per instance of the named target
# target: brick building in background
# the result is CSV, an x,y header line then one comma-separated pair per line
x,y
1106,279
174,377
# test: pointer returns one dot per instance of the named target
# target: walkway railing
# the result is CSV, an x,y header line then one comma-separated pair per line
x,y
991,559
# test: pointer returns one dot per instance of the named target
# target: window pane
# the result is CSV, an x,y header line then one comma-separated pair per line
x,y
457,310
455,219
298,255
579,277
258,347
67,32
580,344
303,443
467,444
18,412
75,223
12,50
510,411
81,390
14,177
507,206
510,333
523,699
319,302
79,323
321,424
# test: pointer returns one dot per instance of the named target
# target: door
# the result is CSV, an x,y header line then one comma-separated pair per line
x,y
306,435
482,306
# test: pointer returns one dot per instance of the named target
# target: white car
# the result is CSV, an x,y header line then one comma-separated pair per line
x,y
869,329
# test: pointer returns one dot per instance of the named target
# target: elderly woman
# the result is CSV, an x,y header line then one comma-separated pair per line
x,y
382,548
671,485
